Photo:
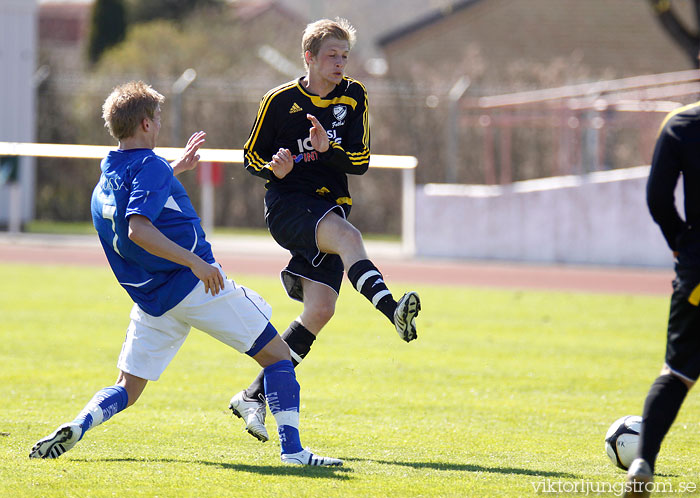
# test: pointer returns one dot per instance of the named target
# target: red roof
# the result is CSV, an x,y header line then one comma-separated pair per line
x,y
63,22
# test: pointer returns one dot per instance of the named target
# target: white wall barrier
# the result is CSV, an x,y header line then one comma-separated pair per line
x,y
18,79
600,218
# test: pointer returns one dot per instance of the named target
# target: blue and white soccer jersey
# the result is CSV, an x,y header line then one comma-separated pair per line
x,y
169,299
138,181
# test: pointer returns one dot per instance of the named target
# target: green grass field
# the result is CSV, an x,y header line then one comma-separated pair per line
x,y
505,393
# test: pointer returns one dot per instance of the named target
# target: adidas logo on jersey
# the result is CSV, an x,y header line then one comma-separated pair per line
x,y
295,108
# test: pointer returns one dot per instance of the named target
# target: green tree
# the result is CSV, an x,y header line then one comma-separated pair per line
x,y
688,39
107,27
178,10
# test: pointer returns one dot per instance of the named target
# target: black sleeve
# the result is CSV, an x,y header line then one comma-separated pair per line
x,y
352,157
257,149
663,177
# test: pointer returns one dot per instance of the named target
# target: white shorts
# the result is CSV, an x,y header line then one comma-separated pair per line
x,y
235,316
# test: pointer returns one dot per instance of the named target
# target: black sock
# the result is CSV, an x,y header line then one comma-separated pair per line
x,y
299,340
365,277
661,406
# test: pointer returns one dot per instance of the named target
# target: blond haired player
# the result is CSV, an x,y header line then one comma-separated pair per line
x,y
309,134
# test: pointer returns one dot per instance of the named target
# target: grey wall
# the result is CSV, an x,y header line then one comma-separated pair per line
x,y
18,42
599,219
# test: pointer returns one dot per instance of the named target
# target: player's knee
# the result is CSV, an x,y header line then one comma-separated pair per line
x,y
688,383
320,314
274,351
666,370
352,237
325,312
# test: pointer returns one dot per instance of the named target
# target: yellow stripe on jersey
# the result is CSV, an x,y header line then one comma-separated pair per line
x,y
365,114
259,160
255,161
673,113
356,158
344,200
264,104
364,154
359,161
323,103
694,297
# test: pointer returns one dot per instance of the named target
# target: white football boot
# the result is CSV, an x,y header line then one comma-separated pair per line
x,y
305,457
57,443
404,316
639,479
252,412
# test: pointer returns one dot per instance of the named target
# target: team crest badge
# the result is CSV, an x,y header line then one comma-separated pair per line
x,y
339,112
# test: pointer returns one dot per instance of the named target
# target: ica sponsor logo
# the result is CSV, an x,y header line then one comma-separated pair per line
x,y
307,152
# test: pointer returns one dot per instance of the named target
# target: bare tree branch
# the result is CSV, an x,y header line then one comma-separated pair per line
x,y
687,40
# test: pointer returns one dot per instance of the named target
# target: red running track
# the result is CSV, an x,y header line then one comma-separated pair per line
x,y
263,258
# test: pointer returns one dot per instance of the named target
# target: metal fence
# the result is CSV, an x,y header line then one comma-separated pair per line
x,y
567,130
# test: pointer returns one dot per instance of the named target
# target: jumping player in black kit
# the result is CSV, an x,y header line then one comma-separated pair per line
x,y
309,134
677,152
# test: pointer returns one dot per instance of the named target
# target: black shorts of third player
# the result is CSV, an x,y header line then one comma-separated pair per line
x,y
683,338
292,220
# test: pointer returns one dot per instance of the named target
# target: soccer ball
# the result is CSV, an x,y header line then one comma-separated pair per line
x,y
622,439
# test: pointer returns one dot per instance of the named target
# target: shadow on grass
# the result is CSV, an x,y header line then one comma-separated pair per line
x,y
666,475
466,467
281,469
342,472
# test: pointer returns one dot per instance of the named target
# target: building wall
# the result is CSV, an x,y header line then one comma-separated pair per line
x,y
17,104
596,219
62,36
495,41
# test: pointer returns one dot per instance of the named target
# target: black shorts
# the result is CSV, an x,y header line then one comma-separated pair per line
x,y
683,337
292,220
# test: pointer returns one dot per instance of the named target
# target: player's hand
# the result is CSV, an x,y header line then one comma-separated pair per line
x,y
210,275
190,158
282,163
317,134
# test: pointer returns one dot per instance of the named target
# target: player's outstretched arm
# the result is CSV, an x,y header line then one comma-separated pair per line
x,y
189,158
143,233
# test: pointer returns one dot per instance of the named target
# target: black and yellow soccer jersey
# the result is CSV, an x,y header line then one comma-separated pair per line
x,y
282,123
677,152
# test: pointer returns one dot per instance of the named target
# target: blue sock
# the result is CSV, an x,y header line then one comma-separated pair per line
x,y
103,405
282,394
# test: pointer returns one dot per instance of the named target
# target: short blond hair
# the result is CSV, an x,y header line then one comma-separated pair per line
x,y
316,32
127,106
